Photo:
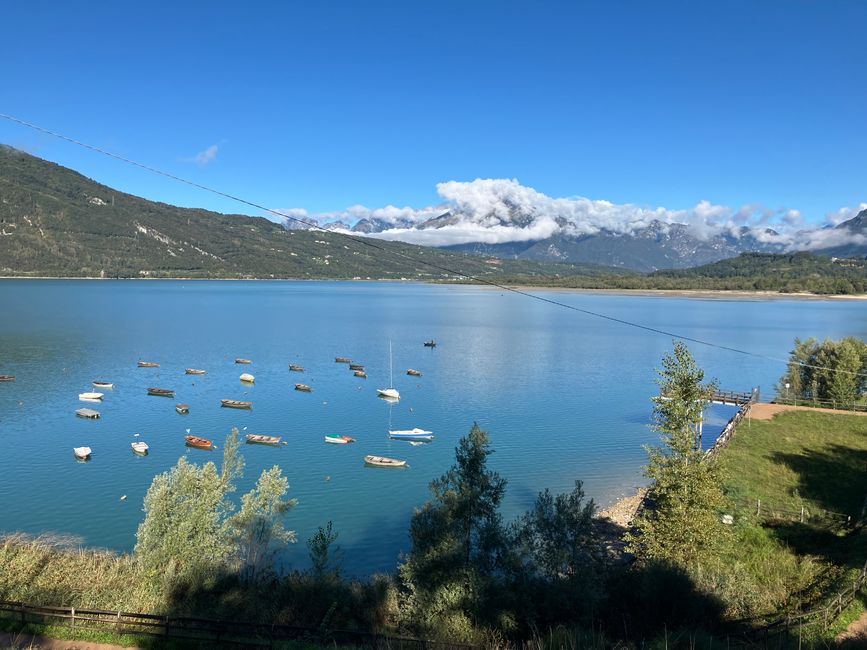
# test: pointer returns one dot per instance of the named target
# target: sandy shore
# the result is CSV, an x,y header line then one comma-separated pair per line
x,y
703,294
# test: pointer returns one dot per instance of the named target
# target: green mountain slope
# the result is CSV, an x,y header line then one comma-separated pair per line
x,y
56,222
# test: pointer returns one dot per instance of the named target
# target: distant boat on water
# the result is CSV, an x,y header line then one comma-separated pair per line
x,y
411,434
412,372
236,404
382,461
243,361
247,378
102,384
90,397
148,364
7,377
161,392
430,344
356,366
195,371
199,443
391,392
304,388
294,367
360,373
342,360
183,409
253,438
336,439
140,447
89,414
82,453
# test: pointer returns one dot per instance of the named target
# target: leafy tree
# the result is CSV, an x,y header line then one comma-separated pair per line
x,y
258,526
557,535
457,540
684,521
321,555
827,371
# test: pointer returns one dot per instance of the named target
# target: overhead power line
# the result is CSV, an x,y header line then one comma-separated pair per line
x,y
371,243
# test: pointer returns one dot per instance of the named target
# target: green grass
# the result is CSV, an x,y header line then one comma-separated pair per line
x,y
800,458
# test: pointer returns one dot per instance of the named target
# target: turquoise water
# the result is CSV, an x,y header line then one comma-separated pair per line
x,y
564,396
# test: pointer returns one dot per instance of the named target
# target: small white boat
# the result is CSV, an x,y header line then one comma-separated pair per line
x,y
336,439
247,377
102,384
411,434
82,453
390,392
140,447
382,461
90,397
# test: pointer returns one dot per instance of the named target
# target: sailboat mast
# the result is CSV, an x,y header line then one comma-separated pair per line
x,y
390,368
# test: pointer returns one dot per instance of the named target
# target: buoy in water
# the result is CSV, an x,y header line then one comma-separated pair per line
x,y
123,497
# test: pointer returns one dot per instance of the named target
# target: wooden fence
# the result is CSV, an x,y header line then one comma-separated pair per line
x,y
207,630
824,615
837,405
729,429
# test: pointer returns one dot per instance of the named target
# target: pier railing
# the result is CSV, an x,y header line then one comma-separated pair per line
x,y
207,630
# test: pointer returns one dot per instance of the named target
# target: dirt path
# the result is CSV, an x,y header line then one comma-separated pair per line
x,y
768,411
855,635
31,642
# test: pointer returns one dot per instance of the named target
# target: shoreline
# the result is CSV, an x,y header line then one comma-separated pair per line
x,y
702,294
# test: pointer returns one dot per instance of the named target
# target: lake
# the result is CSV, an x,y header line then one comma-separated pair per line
x,y
564,395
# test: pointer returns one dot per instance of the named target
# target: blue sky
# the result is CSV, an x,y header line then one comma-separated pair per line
x,y
329,104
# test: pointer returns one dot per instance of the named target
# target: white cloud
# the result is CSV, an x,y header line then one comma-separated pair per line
x,y
204,157
496,210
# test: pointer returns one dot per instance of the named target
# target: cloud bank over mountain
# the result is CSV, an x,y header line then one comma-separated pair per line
x,y
501,211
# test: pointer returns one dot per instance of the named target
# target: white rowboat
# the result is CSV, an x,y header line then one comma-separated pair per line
x,y
82,453
90,397
140,447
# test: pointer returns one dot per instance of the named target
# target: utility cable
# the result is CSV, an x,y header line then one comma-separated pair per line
x,y
371,243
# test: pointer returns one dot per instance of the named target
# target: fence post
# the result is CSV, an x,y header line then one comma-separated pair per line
x,y
117,625
73,618
758,507
167,627
23,612
802,514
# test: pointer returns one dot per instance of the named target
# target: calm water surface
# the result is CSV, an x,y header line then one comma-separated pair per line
x,y
564,396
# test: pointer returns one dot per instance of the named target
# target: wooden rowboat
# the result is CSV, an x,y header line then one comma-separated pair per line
x,y
342,360
336,439
360,373
255,439
7,377
382,461
294,367
243,361
161,392
236,404
140,447
183,409
90,414
199,443
412,372
195,371
148,364
356,366
304,388
102,384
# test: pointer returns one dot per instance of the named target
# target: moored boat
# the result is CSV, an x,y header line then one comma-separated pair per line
x,y
412,372
411,434
247,378
336,439
382,461
148,364
7,377
303,388
82,453
236,404
430,344
360,373
90,414
195,371
256,439
199,443
90,397
161,392
391,392
102,384
342,360
140,447
183,409
294,367
356,366
243,361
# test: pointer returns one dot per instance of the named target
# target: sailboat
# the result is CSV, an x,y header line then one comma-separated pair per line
x,y
391,392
